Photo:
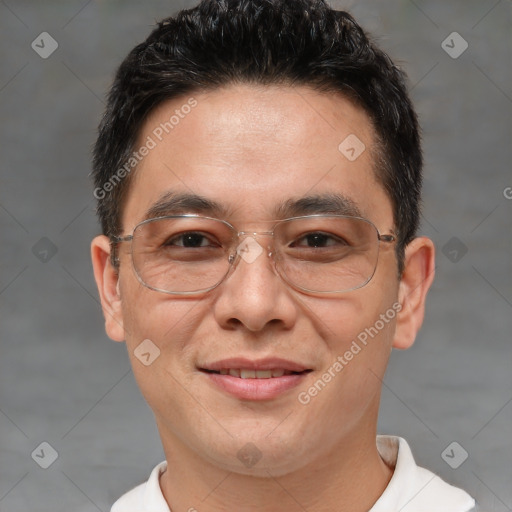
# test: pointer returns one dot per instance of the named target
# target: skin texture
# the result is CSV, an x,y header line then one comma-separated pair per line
x,y
250,148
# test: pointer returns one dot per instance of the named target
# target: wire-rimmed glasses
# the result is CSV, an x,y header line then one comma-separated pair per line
x,y
191,254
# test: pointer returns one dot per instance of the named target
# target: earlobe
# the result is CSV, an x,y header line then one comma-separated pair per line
x,y
107,281
417,277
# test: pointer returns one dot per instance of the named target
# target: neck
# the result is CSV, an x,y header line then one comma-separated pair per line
x,y
351,477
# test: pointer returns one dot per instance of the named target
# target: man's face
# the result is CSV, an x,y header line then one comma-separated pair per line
x,y
252,149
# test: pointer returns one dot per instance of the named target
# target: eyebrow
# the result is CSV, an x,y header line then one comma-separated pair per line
x,y
336,204
175,203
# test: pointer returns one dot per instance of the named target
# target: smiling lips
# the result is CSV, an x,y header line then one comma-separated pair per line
x,y
255,374
255,369
255,379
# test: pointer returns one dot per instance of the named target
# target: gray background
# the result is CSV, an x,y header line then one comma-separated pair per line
x,y
62,381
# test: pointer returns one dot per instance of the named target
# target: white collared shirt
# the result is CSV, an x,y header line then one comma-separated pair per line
x,y
411,488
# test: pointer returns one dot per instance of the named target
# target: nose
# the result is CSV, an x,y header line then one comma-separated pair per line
x,y
253,295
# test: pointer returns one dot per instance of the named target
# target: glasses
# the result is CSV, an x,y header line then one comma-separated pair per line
x,y
191,254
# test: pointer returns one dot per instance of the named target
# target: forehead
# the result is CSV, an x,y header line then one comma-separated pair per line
x,y
252,149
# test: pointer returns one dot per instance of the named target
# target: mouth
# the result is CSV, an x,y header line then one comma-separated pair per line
x,y
248,379
246,373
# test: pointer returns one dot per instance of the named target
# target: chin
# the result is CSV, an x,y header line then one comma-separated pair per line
x,y
259,454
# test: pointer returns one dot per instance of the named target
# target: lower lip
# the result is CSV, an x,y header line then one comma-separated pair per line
x,y
256,389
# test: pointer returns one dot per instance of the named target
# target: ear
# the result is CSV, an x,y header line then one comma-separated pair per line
x,y
107,280
418,274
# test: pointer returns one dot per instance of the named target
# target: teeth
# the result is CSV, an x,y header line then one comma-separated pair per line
x,y
254,374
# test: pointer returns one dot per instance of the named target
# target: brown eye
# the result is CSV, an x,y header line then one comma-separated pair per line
x,y
190,240
317,240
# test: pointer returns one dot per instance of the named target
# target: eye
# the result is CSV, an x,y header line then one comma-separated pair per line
x,y
318,240
190,239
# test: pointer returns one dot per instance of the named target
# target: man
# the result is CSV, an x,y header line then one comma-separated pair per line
x,y
258,172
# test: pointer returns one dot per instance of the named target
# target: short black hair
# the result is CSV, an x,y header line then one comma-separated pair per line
x,y
265,42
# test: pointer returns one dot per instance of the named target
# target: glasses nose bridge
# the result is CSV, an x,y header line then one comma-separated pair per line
x,y
241,236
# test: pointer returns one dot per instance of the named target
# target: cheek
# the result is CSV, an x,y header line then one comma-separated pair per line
x,y
163,327
361,315
154,315
357,332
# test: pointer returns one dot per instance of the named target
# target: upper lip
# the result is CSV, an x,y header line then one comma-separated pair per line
x,y
255,364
